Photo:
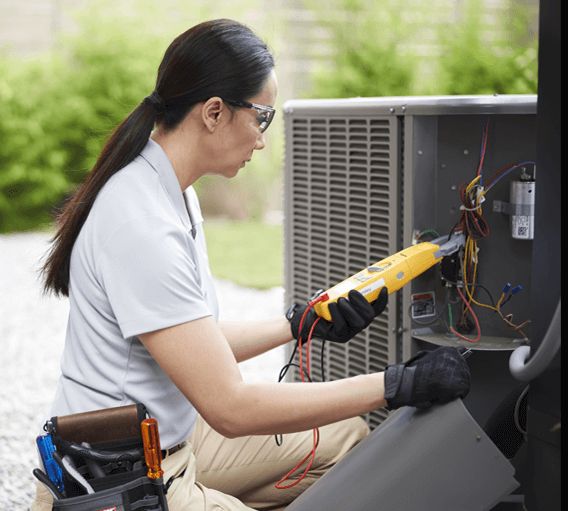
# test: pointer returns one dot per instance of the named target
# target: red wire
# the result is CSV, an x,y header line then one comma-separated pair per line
x,y
308,348
312,454
454,331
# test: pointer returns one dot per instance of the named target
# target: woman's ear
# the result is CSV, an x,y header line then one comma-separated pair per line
x,y
212,112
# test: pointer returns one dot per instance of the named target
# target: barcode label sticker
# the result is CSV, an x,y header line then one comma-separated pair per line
x,y
521,225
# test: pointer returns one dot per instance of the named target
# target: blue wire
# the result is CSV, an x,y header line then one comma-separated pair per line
x,y
512,293
516,289
509,170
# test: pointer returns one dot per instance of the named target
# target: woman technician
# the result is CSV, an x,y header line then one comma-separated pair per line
x,y
130,254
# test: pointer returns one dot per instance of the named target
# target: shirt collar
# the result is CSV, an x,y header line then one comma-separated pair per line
x,y
158,160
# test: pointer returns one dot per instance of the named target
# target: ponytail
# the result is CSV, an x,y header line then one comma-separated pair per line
x,y
124,144
215,58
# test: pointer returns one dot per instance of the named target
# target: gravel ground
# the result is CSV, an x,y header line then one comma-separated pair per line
x,y
32,331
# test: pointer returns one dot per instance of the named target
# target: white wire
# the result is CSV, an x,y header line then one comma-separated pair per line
x,y
516,411
463,208
74,473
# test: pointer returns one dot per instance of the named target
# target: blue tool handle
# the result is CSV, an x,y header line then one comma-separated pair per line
x,y
46,449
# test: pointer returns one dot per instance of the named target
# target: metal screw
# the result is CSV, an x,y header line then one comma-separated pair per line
x,y
443,165
391,110
453,187
466,151
420,151
403,108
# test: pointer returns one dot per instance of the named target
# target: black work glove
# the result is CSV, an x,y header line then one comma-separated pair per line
x,y
348,317
436,376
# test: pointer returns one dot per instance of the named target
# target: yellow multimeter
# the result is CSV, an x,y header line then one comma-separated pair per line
x,y
393,272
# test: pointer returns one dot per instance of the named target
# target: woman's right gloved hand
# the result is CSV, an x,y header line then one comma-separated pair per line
x,y
349,316
436,376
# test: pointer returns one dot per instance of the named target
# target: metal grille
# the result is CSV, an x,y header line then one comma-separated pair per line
x,y
341,215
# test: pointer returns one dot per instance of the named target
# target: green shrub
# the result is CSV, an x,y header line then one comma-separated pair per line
x,y
22,188
476,60
368,59
59,108
386,49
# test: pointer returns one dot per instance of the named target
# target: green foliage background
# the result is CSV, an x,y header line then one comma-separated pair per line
x,y
368,60
378,49
57,109
503,61
247,253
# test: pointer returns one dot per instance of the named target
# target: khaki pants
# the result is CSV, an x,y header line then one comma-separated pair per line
x,y
239,474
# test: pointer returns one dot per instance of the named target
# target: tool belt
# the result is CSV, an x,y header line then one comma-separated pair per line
x,y
97,462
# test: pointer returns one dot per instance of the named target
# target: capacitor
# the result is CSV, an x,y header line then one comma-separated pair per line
x,y
522,194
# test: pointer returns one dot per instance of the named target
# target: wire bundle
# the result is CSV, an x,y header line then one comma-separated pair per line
x,y
475,227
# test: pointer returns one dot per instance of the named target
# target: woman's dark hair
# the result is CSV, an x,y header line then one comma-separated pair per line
x,y
216,58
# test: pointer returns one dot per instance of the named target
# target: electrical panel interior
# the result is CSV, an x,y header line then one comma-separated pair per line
x,y
474,174
368,177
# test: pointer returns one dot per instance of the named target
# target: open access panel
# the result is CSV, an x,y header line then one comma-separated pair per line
x,y
367,177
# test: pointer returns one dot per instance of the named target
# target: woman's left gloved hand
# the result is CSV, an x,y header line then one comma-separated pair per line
x,y
349,316
436,376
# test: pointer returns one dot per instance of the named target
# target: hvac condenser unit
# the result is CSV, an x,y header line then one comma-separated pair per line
x,y
367,177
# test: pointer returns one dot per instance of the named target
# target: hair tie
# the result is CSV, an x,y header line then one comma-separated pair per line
x,y
156,102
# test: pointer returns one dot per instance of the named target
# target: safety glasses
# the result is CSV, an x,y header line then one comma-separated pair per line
x,y
265,113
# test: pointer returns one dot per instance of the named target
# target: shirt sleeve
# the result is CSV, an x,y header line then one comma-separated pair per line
x,y
150,276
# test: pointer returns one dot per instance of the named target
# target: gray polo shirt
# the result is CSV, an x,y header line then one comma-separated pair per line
x,y
139,264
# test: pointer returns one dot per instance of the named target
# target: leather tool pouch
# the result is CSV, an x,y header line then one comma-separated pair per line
x,y
115,448
109,428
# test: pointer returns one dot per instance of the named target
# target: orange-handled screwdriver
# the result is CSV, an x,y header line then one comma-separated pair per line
x,y
152,451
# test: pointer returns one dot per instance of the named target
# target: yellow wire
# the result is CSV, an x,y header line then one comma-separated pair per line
x,y
470,252
472,184
470,246
501,298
